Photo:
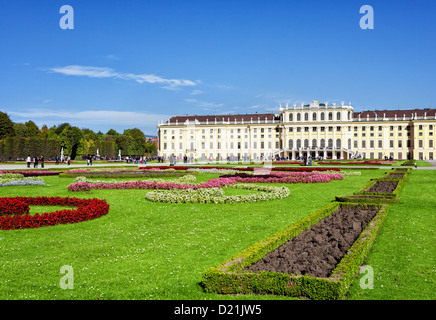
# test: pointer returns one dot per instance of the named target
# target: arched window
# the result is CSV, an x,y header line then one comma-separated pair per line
x,y
330,145
338,143
298,116
291,117
306,117
338,116
314,143
291,144
298,143
322,143
306,143
314,116
330,116
322,116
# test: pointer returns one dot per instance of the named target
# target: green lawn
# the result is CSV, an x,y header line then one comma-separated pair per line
x,y
145,250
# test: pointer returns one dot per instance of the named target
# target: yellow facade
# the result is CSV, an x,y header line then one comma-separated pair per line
x,y
318,130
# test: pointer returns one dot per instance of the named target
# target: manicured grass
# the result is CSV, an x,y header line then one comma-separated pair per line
x,y
404,254
145,250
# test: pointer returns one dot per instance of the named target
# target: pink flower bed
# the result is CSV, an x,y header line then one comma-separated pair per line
x,y
357,162
213,183
294,177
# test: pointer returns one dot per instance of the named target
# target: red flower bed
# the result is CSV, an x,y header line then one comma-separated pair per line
x,y
307,169
356,162
32,173
87,209
12,207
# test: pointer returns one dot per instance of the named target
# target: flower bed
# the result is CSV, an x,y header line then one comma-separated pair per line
x,y
288,162
120,173
213,183
17,179
357,162
185,179
87,209
235,277
31,173
295,177
216,195
184,168
12,207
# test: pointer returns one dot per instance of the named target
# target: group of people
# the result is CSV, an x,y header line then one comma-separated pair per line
x,y
36,160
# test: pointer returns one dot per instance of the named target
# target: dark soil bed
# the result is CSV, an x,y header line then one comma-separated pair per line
x,y
383,187
365,197
396,175
317,251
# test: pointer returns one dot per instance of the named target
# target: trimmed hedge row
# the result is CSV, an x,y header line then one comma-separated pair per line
x,y
361,196
231,277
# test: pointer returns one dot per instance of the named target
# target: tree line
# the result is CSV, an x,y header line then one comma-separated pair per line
x,y
18,140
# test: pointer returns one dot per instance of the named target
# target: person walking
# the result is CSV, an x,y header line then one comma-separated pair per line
x,y
42,161
28,160
35,162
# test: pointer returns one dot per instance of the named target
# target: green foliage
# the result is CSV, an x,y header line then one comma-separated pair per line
x,y
70,139
6,126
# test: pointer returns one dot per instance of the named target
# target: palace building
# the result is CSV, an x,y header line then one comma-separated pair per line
x,y
317,129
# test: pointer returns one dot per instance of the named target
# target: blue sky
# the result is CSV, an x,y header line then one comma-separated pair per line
x,y
133,63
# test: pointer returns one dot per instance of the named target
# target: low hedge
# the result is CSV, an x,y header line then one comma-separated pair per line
x,y
231,276
394,194
408,163
370,199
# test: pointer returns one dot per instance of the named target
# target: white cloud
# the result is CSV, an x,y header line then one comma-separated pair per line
x,y
91,118
104,72
204,104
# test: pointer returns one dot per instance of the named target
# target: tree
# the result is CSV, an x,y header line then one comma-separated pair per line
x,y
112,132
32,128
150,149
6,126
136,141
70,140
61,128
121,142
21,130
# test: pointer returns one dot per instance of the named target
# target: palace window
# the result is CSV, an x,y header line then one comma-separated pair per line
x,y
322,143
